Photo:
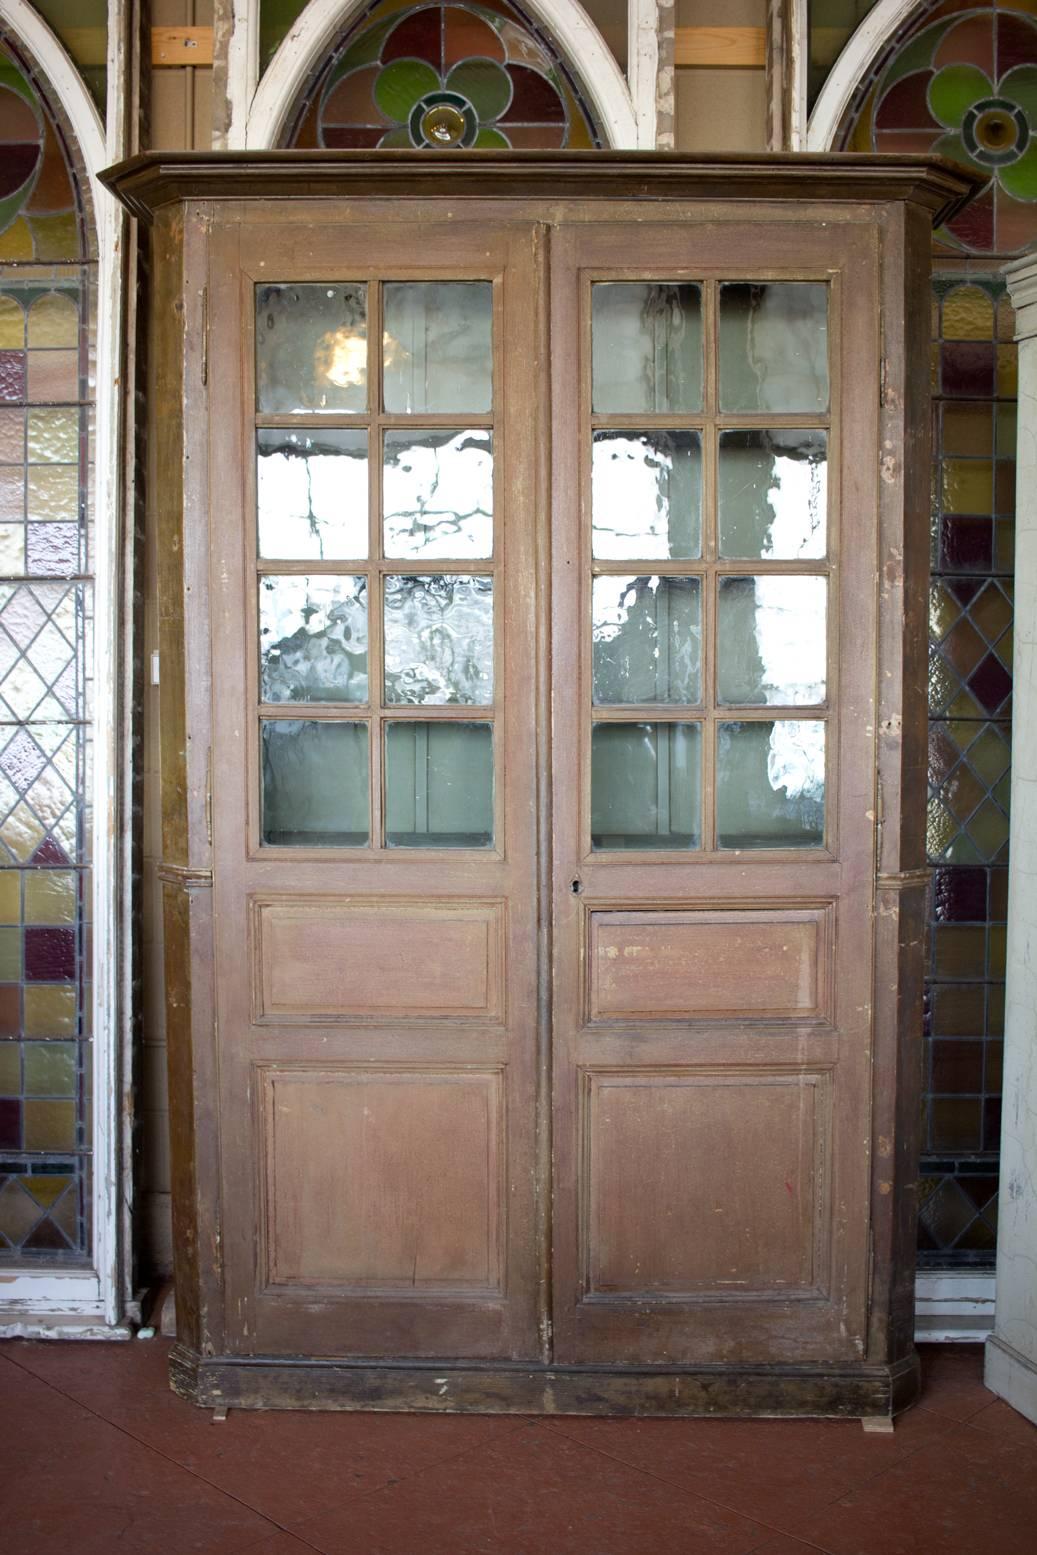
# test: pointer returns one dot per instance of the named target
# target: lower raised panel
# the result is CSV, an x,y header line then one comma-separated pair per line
x,y
383,1182
704,1184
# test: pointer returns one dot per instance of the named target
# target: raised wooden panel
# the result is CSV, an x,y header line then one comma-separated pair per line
x,y
385,1181
767,964
327,958
698,1184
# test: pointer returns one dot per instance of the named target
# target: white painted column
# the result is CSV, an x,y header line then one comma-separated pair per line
x,y
1011,1354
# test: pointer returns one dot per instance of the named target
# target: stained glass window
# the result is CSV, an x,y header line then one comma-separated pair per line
x,y
445,76
961,81
47,287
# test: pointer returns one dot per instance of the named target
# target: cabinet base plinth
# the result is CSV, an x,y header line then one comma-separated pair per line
x,y
523,1388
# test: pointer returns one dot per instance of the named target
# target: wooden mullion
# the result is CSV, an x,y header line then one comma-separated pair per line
x,y
376,588
312,421
648,712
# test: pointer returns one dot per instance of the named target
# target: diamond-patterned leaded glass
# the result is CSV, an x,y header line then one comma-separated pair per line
x,y
46,303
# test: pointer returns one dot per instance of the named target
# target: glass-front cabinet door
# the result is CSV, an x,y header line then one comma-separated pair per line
x,y
714,818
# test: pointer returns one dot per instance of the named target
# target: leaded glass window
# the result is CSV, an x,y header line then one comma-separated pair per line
x,y
47,287
445,76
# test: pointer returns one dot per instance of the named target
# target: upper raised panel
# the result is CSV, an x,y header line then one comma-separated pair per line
x,y
334,958
758,963
704,1184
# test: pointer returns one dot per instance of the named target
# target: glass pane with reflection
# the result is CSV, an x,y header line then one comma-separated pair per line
x,y
774,346
647,639
646,497
772,640
646,346
439,785
771,784
437,493
438,346
311,347
646,785
438,639
772,494
311,491
315,783
312,639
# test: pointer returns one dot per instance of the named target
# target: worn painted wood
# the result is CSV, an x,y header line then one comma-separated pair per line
x,y
175,47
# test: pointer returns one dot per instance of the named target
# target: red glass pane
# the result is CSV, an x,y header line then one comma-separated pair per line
x,y
417,37
17,120
1016,225
535,100
1016,42
351,137
905,105
466,36
975,225
53,191
351,101
536,137
970,43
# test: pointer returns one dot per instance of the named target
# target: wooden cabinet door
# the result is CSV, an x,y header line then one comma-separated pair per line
x,y
373,602
715,492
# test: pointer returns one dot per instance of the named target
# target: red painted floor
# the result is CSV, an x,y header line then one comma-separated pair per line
x,y
99,1457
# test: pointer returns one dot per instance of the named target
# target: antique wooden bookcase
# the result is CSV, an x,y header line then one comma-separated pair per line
x,y
543,559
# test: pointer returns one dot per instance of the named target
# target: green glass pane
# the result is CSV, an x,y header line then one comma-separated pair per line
x,y
646,346
770,780
772,641
774,346
647,639
438,346
311,489
313,639
438,639
401,84
439,785
646,497
485,84
492,140
311,347
953,90
1020,86
1020,178
437,493
772,494
315,783
646,785
50,1068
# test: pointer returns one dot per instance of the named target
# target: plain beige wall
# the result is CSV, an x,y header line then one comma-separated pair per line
x,y
717,110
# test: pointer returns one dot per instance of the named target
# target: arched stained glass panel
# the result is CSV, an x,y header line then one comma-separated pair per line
x,y
46,332
446,76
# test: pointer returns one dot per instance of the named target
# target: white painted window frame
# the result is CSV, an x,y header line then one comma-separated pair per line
x,y
56,1302
625,109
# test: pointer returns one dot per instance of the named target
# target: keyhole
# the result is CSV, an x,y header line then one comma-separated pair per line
x,y
576,887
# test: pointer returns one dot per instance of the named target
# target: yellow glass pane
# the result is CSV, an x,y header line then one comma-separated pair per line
x,y
50,896
1007,372
53,492
53,436
12,325
968,485
50,1010
44,1188
10,953
56,237
10,1069
16,242
54,321
1005,320
967,429
49,1125
10,895
968,314
50,1068
22,833
12,548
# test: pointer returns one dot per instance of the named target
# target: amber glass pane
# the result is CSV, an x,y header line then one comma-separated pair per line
x,y
315,783
646,785
647,639
772,640
438,346
646,346
311,491
439,785
311,347
774,346
646,495
772,494
771,784
313,639
438,639
437,491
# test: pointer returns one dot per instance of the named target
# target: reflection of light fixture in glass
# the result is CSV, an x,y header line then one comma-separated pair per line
x,y
392,351
341,358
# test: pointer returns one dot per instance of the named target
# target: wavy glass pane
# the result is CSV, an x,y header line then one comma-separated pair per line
x,y
315,783
438,639
437,346
437,493
774,346
646,339
311,491
772,494
646,495
311,347
770,783
439,785
646,785
772,641
647,636
312,639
